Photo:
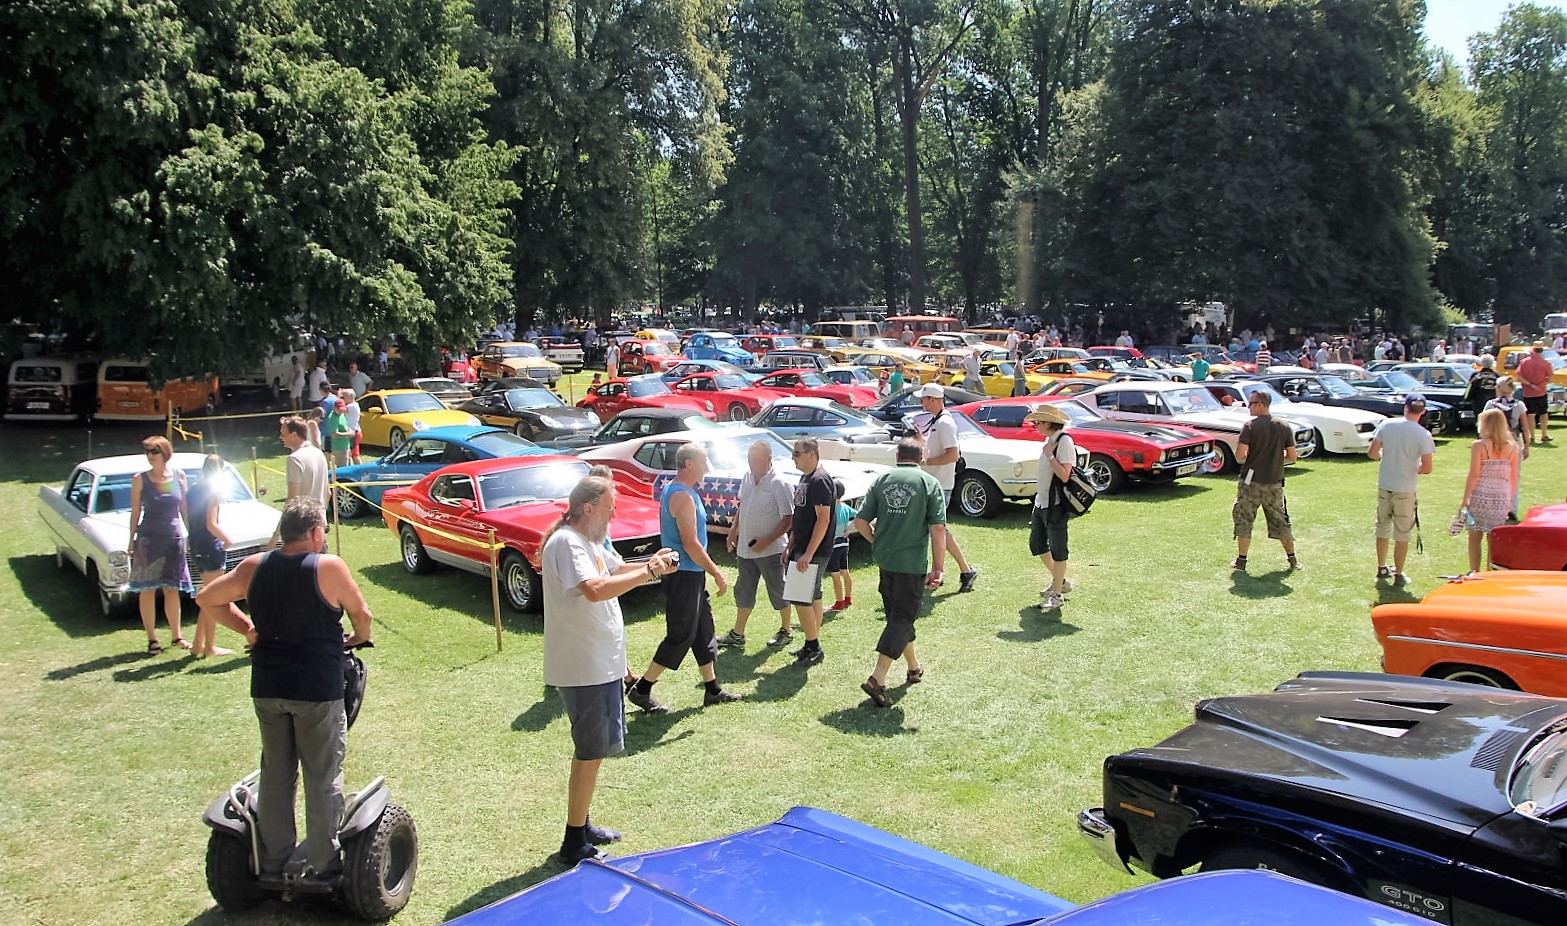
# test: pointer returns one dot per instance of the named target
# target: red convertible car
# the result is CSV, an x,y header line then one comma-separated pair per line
x,y
732,395
614,396
1539,541
815,385
446,518
1117,450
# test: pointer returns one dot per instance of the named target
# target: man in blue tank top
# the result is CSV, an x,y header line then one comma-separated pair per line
x,y
297,598
688,617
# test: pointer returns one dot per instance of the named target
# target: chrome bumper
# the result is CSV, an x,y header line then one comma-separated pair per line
x,y
1092,826
1161,466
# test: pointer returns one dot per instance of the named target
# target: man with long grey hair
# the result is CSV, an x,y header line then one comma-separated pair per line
x,y
585,646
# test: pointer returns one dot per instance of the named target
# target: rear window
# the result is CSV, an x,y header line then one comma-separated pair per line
x,y
114,373
35,373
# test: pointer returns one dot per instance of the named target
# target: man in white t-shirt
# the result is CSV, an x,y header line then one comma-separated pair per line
x,y
1405,451
759,537
306,467
940,434
319,383
1012,341
1125,340
585,647
358,380
296,384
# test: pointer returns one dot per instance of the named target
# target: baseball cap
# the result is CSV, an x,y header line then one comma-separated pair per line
x,y
341,405
1414,398
931,391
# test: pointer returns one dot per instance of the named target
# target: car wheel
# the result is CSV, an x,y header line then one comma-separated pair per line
x,y
977,495
379,866
1104,474
415,559
1474,675
1317,445
106,604
229,878
737,412
349,505
396,438
523,431
523,588
1222,461
1245,854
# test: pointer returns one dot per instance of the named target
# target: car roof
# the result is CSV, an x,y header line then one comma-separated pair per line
x,y
498,464
137,463
815,400
1146,385
661,412
462,432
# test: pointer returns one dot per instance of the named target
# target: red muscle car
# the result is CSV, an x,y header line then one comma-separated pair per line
x,y
1117,450
813,384
1539,541
614,396
446,518
647,357
733,396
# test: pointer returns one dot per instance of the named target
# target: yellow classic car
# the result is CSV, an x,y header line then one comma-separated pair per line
x,y
387,417
997,379
915,369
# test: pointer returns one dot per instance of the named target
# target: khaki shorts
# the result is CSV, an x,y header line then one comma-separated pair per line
x,y
1395,515
1270,498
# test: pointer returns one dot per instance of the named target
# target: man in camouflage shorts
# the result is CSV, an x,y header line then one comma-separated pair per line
x,y
1265,446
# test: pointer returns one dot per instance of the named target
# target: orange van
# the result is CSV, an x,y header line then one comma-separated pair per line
x,y
124,393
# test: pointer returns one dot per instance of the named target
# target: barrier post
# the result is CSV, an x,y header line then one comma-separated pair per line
x,y
331,499
255,473
168,425
495,588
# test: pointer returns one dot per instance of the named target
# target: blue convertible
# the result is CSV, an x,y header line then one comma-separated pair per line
x,y
422,454
817,867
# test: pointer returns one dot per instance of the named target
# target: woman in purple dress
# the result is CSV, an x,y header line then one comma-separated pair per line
x,y
157,544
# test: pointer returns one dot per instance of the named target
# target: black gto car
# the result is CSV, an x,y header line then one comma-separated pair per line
x,y
633,422
1327,389
534,412
1441,799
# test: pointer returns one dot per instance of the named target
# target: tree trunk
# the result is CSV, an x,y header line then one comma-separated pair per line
x,y
908,113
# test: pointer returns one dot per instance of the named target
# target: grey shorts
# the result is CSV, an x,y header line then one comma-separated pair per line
x,y
598,719
763,568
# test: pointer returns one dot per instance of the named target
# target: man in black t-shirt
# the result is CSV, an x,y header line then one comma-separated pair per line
x,y
1265,446
810,542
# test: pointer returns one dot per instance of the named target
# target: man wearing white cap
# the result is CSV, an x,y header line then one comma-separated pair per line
x,y
940,434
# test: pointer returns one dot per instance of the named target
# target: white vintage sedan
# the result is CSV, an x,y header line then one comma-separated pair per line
x,y
643,465
1337,430
89,519
1191,405
990,469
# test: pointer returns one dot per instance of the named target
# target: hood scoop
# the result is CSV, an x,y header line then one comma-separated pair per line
x,y
1419,707
1489,756
1380,726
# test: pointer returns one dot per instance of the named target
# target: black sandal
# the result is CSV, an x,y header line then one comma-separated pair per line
x,y
154,647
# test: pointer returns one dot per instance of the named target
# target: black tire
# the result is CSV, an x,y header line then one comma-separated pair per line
x,y
737,412
396,438
415,559
349,505
1317,446
522,588
380,864
1223,460
976,495
1105,474
229,878
523,431
1474,675
106,604
1244,853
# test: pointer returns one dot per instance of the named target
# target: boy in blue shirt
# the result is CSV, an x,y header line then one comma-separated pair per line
x,y
838,562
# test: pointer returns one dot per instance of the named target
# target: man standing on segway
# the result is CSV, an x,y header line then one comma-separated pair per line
x,y
297,598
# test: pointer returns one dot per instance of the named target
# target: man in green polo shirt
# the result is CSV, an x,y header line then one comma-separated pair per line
x,y
904,516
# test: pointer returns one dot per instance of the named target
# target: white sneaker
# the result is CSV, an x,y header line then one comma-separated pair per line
x,y
1050,601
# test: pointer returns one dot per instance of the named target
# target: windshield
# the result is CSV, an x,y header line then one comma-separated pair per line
x,y
521,350
1186,401
725,342
1075,410
440,387
728,381
532,398
1337,387
644,386
731,454
500,443
813,379
521,484
403,403
118,488
655,348
1251,389
1397,380
1540,775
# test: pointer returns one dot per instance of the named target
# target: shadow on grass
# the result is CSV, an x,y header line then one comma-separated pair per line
x,y
221,665
162,666
448,589
646,732
1262,585
65,596
1165,491
1037,625
94,665
1390,594
868,720
504,888
541,714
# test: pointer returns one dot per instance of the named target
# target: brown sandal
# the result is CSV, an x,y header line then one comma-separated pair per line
x,y
877,691
915,676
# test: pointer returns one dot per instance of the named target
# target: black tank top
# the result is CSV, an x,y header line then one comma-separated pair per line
x,y
299,655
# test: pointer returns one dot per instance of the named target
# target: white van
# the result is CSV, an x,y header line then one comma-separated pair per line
x,y
51,389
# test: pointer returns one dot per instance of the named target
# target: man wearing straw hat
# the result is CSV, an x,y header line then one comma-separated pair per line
x,y
1535,376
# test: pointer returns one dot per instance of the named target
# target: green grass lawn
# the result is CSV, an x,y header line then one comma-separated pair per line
x,y
108,756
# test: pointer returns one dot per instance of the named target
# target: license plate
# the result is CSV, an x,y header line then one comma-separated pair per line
x,y
128,404
1187,470
37,406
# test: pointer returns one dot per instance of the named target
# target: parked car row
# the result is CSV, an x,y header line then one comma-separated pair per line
x,y
77,389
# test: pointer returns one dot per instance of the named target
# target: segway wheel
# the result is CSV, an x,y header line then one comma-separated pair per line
x,y
229,877
379,866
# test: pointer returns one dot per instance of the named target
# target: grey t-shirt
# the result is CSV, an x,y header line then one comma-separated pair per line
x,y
1404,442
307,468
762,505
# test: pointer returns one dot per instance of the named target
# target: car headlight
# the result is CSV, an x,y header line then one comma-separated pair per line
x,y
549,422
1017,470
593,417
119,575
709,405
119,558
474,421
419,425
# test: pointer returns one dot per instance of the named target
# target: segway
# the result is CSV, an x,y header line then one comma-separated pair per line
x,y
380,847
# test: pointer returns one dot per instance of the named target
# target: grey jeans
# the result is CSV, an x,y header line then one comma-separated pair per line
x,y
312,734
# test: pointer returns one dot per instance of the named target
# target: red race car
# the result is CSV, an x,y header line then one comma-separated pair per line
x,y
1117,450
731,395
647,357
612,397
1539,541
446,518
815,385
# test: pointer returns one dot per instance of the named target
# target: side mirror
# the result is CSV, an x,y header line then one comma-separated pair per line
x,y
467,505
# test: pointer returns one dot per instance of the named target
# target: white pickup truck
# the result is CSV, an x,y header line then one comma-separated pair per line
x,y
89,520
565,352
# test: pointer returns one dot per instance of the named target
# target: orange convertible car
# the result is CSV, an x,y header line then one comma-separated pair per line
x,y
1507,629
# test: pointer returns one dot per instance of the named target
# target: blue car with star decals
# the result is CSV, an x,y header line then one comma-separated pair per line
x,y
421,454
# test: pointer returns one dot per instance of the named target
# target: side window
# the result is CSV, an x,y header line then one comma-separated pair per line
x,y
794,416
457,453
613,390
79,490
425,451
652,454
1513,358
368,403
830,420
452,489
1108,400
1007,416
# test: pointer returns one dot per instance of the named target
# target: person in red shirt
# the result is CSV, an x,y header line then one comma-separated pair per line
x,y
1535,375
